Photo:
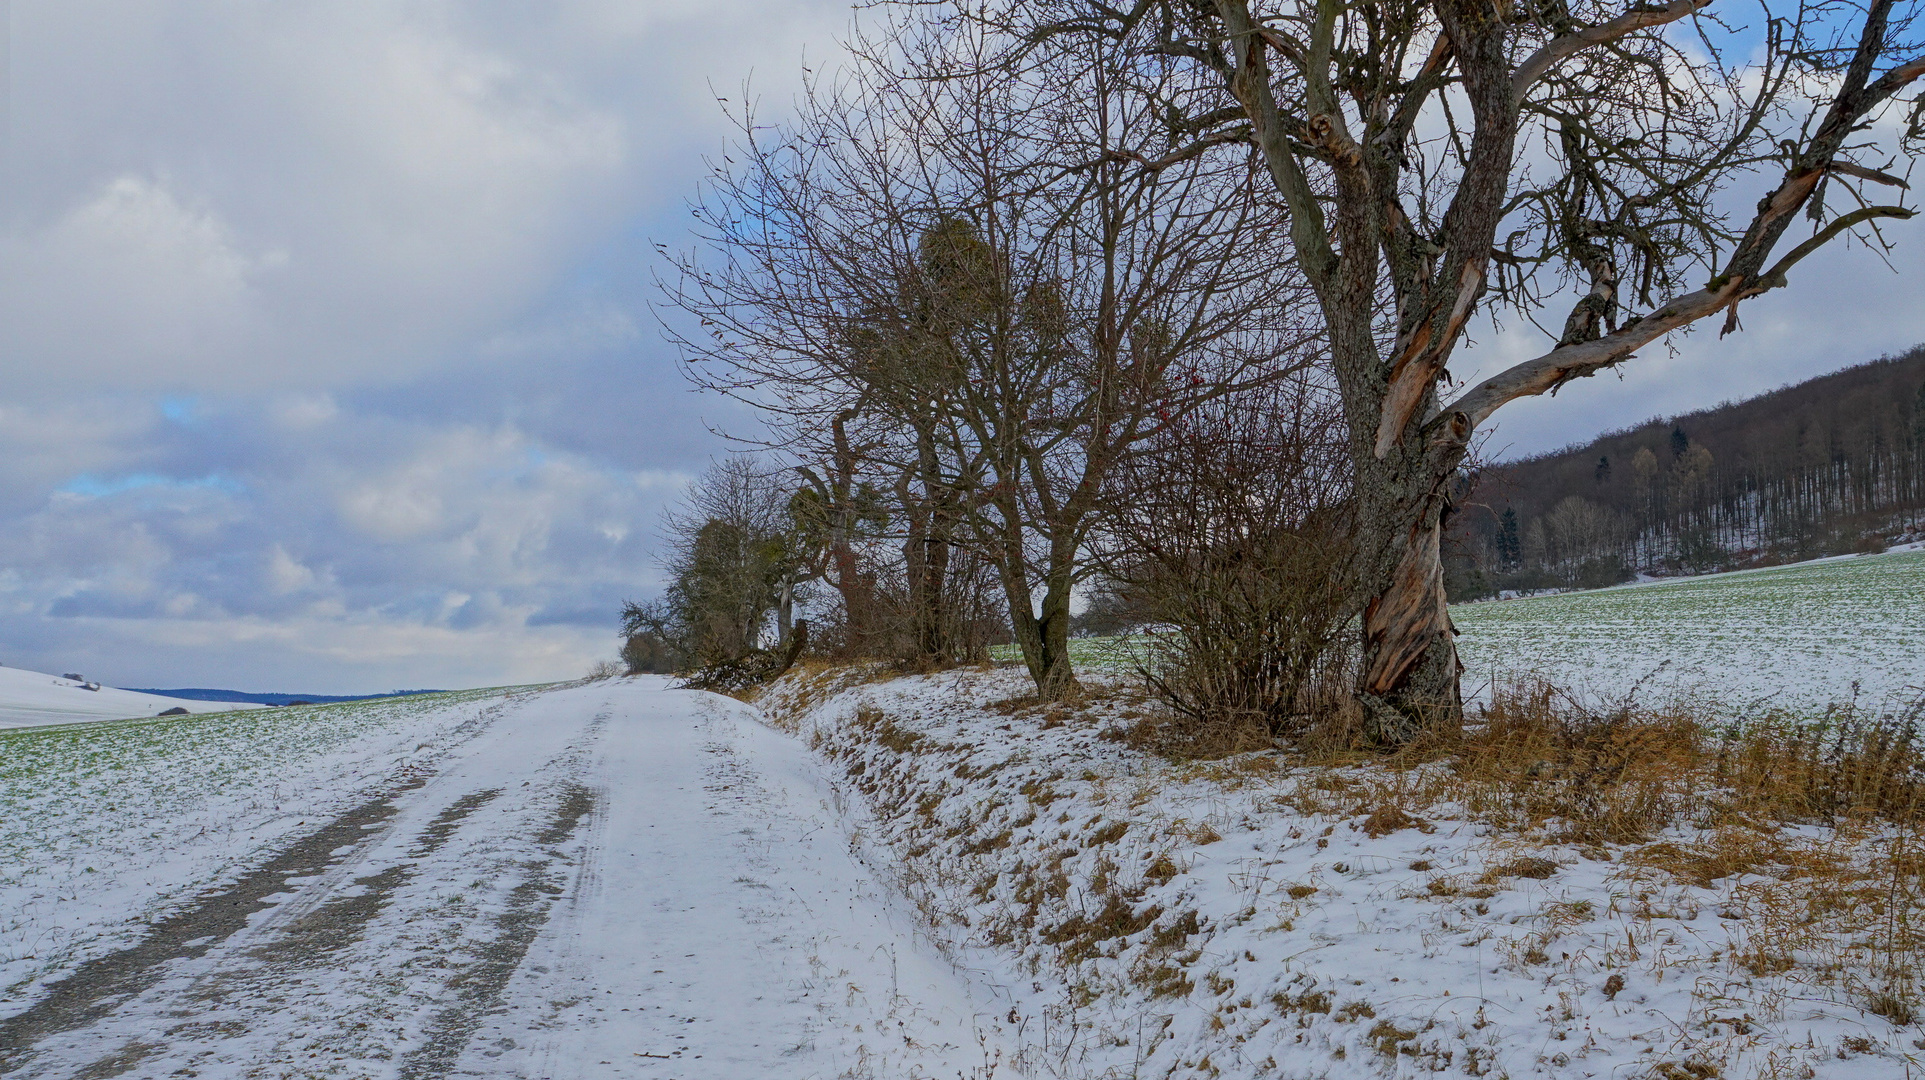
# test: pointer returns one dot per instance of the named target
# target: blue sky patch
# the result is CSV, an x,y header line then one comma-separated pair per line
x,y
95,487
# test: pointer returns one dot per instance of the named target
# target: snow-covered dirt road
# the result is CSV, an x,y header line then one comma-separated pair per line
x,y
603,880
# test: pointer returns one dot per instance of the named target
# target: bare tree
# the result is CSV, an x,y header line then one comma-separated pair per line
x,y
967,262
839,514
1441,156
735,563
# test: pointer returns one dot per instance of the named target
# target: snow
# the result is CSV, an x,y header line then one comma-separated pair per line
x,y
1244,918
601,879
1799,638
28,699
726,930
862,876
106,828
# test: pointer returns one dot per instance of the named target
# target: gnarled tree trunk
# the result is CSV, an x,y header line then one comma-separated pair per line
x,y
1409,680
1042,630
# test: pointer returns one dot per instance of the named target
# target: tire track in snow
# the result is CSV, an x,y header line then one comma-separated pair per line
x,y
479,989
301,911
99,986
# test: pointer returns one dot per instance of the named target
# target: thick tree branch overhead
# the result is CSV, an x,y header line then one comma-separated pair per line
x,y
1564,45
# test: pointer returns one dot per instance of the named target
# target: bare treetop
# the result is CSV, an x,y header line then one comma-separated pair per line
x,y
1573,164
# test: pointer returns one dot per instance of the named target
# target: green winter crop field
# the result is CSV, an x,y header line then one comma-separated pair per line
x,y
1796,638
156,805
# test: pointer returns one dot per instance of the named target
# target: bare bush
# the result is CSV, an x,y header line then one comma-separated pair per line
x,y
1232,539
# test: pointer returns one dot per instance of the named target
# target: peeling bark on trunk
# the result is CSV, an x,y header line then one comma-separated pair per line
x,y
1409,680
1411,669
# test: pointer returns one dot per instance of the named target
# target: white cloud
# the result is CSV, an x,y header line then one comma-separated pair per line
x,y
129,277
286,575
355,535
301,411
328,356
391,257
319,195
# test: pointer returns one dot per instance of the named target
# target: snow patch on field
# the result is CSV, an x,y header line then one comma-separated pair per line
x,y
105,828
1248,918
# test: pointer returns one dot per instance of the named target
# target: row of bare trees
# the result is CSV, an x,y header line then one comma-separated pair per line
x,y
1017,253
952,286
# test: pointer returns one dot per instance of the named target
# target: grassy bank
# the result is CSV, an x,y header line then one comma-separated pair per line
x,y
1561,893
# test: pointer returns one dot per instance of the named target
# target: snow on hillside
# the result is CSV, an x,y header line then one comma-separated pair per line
x,y
1254,918
29,699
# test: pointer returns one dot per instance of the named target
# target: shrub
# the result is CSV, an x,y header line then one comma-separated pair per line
x,y
1233,539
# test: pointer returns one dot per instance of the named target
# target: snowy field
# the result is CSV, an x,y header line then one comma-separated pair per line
x,y
866,877
105,827
28,698
1794,638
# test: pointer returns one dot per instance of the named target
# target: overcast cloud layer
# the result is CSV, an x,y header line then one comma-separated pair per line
x,y
325,333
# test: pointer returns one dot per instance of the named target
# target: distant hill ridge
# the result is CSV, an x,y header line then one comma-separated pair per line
x,y
238,696
1828,466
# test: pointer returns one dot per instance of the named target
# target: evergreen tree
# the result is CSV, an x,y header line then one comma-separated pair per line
x,y
1510,550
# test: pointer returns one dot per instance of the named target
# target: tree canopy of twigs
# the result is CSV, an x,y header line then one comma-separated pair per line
x,y
739,548
1230,545
953,280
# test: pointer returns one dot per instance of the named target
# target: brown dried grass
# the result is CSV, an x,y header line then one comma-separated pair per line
x,y
1542,762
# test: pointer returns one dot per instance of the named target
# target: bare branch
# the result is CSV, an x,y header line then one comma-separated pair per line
x,y
1553,369
1559,366
1846,168
1558,48
1775,277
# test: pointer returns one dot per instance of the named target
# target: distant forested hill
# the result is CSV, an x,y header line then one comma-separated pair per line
x,y
201,693
1826,467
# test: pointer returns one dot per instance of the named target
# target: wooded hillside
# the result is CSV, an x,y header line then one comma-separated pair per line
x,y
1826,467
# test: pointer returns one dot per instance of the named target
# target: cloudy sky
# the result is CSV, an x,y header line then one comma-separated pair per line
x,y
325,330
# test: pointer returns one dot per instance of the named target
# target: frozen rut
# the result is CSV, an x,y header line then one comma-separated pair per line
x,y
602,880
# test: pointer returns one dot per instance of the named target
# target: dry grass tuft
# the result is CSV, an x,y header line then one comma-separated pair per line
x,y
1544,764
1604,776
1847,766
1390,819
1529,867
1804,842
